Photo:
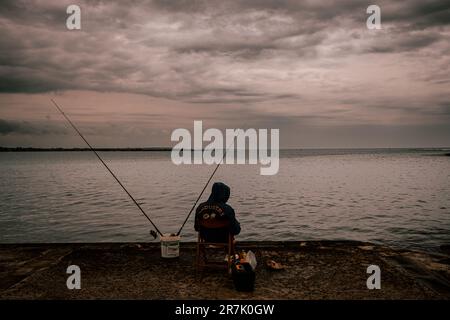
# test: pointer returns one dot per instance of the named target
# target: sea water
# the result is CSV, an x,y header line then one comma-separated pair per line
x,y
395,197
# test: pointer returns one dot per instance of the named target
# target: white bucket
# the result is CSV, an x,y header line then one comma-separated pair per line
x,y
170,246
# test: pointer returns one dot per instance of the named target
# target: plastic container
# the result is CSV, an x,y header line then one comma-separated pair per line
x,y
170,246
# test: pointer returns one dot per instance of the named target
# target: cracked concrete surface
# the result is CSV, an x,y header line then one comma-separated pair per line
x,y
314,270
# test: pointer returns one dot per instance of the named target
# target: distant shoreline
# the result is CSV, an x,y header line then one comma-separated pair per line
x,y
31,149
59,149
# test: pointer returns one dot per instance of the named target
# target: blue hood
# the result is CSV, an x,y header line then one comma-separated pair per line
x,y
220,193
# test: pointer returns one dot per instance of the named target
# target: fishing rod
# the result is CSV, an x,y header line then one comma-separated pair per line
x,y
112,173
204,188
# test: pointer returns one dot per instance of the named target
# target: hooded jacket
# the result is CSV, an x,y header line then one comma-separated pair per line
x,y
219,196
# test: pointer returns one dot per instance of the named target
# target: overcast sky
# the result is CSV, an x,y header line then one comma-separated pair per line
x,y
139,69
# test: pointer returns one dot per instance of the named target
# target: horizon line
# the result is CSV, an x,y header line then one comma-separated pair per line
x,y
165,148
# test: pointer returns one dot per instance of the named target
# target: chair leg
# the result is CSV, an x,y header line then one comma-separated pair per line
x,y
200,254
197,257
230,252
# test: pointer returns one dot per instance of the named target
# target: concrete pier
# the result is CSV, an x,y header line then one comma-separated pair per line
x,y
314,270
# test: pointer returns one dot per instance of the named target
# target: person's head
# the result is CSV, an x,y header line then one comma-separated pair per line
x,y
220,192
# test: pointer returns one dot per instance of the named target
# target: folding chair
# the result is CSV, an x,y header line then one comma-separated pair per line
x,y
219,226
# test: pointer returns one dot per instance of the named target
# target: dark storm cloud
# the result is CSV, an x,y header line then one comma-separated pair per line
x,y
434,107
443,109
408,43
26,128
419,14
200,51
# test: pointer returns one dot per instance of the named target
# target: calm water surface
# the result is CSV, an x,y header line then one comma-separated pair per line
x,y
399,198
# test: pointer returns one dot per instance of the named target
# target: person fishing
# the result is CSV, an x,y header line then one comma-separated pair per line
x,y
216,206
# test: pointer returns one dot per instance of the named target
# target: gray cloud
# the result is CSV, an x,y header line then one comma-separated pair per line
x,y
309,67
419,14
200,51
26,128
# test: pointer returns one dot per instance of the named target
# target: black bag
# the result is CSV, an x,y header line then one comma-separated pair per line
x,y
243,277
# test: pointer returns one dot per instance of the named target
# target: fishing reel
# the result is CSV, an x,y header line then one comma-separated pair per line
x,y
153,234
